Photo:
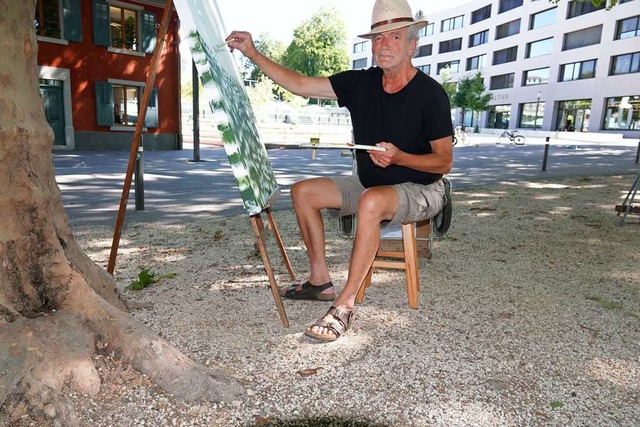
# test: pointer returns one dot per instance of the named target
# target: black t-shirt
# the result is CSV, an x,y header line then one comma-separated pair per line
x,y
409,119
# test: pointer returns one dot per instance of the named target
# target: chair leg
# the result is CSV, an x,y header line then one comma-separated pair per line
x,y
364,285
411,263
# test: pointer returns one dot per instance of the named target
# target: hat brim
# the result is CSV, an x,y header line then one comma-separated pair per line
x,y
394,26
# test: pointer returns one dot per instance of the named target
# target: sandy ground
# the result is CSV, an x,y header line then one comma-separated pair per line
x,y
529,315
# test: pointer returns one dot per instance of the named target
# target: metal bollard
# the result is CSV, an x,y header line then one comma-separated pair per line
x,y
546,154
139,180
638,152
314,142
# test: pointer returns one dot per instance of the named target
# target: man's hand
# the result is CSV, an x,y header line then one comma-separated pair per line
x,y
242,41
387,157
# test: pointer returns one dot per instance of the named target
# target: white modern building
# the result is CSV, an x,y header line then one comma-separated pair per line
x,y
564,66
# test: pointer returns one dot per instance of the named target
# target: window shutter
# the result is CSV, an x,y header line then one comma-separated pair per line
x,y
151,119
101,30
104,104
149,33
72,19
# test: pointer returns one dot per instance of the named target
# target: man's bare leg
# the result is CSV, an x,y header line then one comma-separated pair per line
x,y
376,205
309,197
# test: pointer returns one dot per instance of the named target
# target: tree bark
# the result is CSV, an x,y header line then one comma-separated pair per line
x,y
57,307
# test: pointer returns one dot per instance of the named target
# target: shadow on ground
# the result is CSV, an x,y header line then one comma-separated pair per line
x,y
314,422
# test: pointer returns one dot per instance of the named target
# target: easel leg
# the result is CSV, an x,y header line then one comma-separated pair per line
x,y
283,252
258,231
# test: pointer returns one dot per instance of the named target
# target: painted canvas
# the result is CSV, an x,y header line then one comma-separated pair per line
x,y
201,24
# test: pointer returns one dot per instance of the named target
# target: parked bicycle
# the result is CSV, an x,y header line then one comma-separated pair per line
x,y
511,136
460,135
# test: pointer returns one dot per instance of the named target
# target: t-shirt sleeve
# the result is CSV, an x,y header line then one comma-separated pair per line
x,y
437,123
341,83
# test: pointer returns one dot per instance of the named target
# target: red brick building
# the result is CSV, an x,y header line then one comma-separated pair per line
x,y
93,61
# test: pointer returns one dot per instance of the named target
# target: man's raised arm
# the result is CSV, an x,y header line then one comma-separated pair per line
x,y
309,87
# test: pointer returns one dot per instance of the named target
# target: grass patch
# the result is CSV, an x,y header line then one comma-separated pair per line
x,y
609,305
146,278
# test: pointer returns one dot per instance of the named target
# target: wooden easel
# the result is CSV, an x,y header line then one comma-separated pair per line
x,y
259,229
260,232
628,207
135,143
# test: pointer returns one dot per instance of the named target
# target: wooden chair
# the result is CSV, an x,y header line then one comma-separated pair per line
x,y
404,253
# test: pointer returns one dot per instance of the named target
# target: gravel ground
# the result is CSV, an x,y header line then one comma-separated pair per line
x,y
529,315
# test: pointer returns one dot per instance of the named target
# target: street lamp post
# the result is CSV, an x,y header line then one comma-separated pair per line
x,y
535,120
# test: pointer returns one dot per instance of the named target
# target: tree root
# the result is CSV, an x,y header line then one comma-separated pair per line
x,y
43,356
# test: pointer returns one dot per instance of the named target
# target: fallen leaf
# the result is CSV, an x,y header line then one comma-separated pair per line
x,y
308,372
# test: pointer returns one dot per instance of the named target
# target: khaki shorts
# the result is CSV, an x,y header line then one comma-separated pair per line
x,y
417,202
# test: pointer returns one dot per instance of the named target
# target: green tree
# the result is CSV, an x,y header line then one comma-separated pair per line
x,y
446,83
319,46
471,95
609,3
272,48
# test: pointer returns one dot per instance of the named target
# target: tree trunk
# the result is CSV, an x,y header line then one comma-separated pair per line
x,y
57,307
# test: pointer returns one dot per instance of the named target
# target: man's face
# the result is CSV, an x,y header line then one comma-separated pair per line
x,y
392,48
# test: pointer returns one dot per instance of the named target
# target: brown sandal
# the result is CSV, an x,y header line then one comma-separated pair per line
x,y
338,324
309,292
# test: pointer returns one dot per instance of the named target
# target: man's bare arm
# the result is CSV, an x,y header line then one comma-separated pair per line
x,y
440,160
310,87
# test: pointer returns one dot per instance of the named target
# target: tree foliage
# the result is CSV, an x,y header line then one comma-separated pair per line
x,y
448,86
609,3
272,48
319,46
471,95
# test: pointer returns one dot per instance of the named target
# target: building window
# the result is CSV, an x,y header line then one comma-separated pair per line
x,y
544,18
425,50
573,116
539,48
479,38
119,103
453,66
58,19
506,5
359,63
531,115
425,68
360,47
498,117
508,29
450,45
47,19
129,29
124,28
539,76
581,38
625,64
125,101
476,62
502,56
426,31
578,71
623,113
627,28
481,14
581,7
451,24
503,81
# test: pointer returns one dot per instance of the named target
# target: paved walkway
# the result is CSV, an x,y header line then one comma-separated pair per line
x,y
177,188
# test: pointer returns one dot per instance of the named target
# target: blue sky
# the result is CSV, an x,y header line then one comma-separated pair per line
x,y
280,17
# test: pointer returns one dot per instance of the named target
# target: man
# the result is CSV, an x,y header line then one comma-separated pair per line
x,y
392,105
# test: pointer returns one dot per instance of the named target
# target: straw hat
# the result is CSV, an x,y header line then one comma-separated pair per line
x,y
390,15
